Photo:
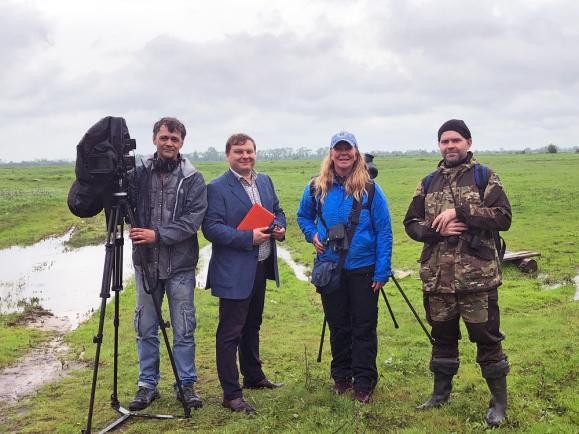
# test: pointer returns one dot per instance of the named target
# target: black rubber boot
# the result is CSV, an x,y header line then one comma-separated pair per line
x,y
498,405
444,370
496,378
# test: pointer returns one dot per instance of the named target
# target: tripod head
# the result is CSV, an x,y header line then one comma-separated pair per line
x,y
370,166
103,162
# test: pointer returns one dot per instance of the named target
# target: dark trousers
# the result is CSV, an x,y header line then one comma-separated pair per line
x,y
352,315
238,331
486,335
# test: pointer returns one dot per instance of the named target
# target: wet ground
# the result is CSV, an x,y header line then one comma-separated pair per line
x,y
41,365
282,253
66,282
49,272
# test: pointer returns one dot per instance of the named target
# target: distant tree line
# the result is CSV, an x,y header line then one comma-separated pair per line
x,y
305,153
38,162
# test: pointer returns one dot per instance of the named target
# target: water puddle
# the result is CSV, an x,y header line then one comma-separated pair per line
x,y
282,253
203,266
576,298
65,282
298,269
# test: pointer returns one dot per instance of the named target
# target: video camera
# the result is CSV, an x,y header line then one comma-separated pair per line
x,y
103,161
370,166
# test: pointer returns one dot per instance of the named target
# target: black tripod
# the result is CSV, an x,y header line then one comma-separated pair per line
x,y
113,274
391,315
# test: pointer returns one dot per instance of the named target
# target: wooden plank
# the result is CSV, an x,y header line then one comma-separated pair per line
x,y
516,256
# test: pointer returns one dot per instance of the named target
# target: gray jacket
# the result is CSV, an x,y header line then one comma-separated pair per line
x,y
180,235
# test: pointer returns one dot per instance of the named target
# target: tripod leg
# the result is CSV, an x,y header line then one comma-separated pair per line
x,y
323,335
105,294
162,324
413,310
117,288
389,308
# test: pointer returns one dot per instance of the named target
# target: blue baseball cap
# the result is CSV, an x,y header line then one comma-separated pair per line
x,y
343,136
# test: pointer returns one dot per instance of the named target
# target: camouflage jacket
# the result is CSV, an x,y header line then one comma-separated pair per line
x,y
447,266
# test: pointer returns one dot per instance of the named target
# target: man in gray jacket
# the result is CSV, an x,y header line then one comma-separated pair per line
x,y
170,199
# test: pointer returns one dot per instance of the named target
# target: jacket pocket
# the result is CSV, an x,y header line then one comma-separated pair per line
x,y
429,273
478,268
482,252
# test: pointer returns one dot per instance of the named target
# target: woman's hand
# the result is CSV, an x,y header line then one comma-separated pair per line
x,y
320,248
377,286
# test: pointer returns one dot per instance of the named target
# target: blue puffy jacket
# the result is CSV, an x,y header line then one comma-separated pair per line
x,y
372,241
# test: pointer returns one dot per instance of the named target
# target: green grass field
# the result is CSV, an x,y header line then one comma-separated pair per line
x,y
541,324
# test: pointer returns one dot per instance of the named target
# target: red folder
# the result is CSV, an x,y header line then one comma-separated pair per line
x,y
256,217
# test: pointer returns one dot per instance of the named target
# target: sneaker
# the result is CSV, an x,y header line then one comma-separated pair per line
x,y
143,398
191,398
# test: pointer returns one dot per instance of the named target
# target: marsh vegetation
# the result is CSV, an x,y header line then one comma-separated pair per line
x,y
541,323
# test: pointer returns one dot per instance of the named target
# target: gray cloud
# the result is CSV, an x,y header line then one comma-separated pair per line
x,y
508,69
21,31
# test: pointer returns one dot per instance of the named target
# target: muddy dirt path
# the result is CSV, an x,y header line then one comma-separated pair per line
x,y
41,366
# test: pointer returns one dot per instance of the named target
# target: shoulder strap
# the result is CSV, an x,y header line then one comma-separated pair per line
x,y
354,219
370,190
481,178
427,180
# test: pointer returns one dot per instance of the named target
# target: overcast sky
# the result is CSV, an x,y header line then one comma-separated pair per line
x,y
289,73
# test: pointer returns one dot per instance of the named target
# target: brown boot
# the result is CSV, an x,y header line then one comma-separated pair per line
x,y
238,405
362,396
342,386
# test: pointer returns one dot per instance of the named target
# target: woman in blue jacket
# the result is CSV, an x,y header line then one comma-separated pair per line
x,y
352,310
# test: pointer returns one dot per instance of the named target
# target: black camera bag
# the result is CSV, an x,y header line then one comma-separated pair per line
x,y
98,157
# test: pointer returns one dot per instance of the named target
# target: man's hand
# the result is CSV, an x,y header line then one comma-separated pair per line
x,y
377,286
278,233
320,248
142,236
444,218
453,228
260,235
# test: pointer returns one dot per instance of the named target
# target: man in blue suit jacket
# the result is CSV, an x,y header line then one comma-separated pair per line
x,y
241,262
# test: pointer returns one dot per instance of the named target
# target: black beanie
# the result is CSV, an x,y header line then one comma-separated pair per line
x,y
457,125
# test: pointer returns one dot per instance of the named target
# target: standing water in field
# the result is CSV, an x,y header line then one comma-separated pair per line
x,y
66,282
282,253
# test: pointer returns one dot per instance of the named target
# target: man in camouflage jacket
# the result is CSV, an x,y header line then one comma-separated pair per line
x,y
460,268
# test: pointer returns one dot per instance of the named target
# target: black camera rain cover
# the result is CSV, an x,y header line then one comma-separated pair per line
x,y
102,143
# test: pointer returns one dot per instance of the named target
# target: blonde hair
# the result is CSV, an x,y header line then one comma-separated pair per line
x,y
355,182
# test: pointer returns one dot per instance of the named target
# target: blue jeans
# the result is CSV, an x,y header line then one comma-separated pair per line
x,y
180,292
